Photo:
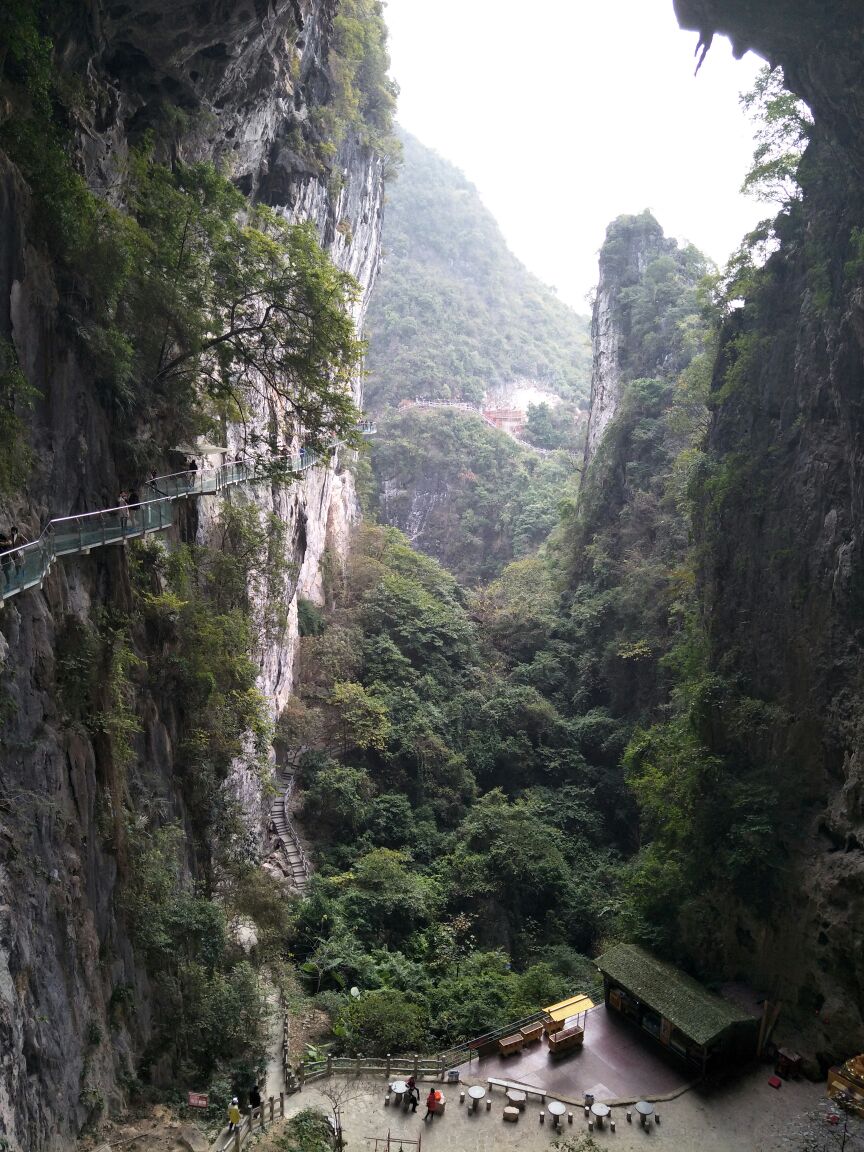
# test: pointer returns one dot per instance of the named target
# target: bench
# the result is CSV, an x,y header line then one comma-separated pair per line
x,y
563,1041
493,1082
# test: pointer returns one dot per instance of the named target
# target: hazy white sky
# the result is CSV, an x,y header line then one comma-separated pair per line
x,y
566,113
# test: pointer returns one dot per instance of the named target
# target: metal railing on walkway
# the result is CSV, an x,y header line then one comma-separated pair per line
x,y
26,565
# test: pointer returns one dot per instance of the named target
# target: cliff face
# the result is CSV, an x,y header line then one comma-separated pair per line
x,y
780,518
243,81
636,261
817,44
627,537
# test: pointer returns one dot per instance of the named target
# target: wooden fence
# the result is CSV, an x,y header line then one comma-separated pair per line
x,y
255,1120
422,1067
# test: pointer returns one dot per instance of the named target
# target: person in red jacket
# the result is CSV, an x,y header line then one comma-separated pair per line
x,y
430,1104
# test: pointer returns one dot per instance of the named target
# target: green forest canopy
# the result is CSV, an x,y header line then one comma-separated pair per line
x,y
469,495
454,312
449,839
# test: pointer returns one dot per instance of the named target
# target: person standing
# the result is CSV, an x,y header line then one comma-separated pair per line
x,y
430,1104
234,1115
6,560
123,509
18,543
413,1093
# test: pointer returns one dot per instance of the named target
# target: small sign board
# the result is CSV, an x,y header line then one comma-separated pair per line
x,y
198,1100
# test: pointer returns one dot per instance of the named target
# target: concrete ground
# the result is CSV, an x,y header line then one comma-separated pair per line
x,y
745,1115
617,1061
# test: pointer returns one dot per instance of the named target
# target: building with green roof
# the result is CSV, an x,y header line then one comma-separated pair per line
x,y
674,1008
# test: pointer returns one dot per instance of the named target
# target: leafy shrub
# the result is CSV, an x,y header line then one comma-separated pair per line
x,y
383,1021
310,618
16,396
307,1131
182,937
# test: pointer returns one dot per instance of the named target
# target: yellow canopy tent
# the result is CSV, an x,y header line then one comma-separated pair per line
x,y
564,1009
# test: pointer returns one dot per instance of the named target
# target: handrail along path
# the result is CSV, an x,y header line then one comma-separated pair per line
x,y
25,566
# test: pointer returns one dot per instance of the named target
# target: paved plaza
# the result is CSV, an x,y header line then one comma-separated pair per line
x,y
728,1112
743,1116
616,1062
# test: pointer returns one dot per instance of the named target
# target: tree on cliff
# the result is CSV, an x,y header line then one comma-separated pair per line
x,y
783,126
205,308
192,304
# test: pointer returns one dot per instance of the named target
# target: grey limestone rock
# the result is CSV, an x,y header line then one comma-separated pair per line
x,y
244,75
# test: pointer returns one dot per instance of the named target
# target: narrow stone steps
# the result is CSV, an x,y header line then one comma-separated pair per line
x,y
291,848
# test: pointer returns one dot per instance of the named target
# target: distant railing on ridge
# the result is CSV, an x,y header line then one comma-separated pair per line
x,y
26,565
463,406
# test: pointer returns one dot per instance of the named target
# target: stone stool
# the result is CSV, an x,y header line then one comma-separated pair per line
x,y
511,1115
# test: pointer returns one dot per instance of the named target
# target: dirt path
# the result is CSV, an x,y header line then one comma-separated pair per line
x,y
274,1082
153,1129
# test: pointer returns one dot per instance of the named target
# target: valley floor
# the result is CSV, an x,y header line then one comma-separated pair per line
x,y
745,1115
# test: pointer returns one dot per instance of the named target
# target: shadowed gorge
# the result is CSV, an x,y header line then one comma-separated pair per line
x,y
332,744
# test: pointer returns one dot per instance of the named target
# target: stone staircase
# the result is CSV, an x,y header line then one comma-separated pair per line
x,y
298,866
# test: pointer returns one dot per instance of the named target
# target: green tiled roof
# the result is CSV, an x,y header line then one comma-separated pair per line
x,y
695,1011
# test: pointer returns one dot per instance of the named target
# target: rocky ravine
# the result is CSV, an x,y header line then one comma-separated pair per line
x,y
247,76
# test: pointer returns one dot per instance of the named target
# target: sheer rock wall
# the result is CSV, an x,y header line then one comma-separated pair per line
x,y
245,75
782,543
631,243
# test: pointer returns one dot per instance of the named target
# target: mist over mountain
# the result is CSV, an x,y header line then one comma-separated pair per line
x,y
454,313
